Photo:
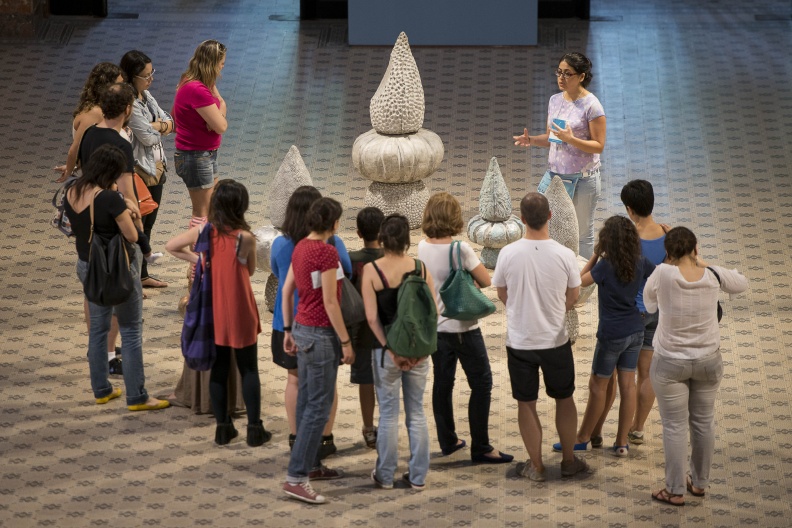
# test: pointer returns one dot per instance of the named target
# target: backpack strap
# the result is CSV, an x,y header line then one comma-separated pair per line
x,y
420,270
381,275
716,274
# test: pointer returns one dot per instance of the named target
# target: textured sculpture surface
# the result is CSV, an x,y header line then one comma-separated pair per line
x,y
264,238
397,159
563,222
398,105
270,292
408,199
585,292
495,234
494,200
292,174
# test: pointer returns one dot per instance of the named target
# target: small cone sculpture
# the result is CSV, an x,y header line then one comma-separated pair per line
x,y
495,226
292,174
397,154
564,230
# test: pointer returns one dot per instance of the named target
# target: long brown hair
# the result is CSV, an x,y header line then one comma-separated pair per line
x,y
102,75
619,243
228,205
205,63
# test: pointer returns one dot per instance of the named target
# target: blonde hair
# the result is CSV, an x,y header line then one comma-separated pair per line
x,y
205,63
442,216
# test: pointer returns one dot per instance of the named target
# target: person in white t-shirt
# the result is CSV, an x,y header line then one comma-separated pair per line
x,y
457,341
538,280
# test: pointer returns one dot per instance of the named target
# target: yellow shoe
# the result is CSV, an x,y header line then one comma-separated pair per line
x,y
112,396
161,404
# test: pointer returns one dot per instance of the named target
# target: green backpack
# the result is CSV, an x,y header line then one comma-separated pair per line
x,y
413,333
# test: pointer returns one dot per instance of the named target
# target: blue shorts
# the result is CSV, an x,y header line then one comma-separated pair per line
x,y
196,167
650,326
612,354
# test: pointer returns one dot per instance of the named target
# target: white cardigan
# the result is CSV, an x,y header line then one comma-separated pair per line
x,y
688,326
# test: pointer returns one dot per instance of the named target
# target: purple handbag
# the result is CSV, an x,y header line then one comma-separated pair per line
x,y
197,338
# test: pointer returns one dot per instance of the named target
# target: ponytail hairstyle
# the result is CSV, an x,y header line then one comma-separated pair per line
x,y
581,64
395,234
620,244
103,168
294,226
679,242
228,205
323,215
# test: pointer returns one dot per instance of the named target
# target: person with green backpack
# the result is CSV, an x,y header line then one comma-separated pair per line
x,y
401,311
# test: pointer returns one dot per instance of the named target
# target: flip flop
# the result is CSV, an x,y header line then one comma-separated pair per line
x,y
690,488
665,496
151,282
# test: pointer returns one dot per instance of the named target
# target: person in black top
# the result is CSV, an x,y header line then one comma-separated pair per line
x,y
111,215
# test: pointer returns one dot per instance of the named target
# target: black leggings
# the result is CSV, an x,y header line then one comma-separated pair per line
x,y
247,362
148,223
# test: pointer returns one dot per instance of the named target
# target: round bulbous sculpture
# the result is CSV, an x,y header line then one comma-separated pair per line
x,y
265,236
397,159
495,234
408,199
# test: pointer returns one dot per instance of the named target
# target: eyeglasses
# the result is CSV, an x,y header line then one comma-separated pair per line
x,y
148,77
564,74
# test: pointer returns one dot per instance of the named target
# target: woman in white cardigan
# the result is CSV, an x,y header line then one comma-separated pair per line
x,y
687,367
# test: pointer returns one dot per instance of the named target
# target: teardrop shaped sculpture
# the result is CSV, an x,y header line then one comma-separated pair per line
x,y
494,200
563,222
398,105
265,236
397,159
292,174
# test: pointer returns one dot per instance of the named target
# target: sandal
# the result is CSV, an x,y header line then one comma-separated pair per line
x,y
151,282
690,488
667,497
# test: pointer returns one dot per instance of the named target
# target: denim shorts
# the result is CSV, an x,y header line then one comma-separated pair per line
x,y
196,167
650,326
612,354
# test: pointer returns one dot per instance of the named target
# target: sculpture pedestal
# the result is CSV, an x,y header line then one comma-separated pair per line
x,y
408,199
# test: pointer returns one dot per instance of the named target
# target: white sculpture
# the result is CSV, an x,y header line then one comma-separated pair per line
x,y
292,174
397,159
264,238
398,105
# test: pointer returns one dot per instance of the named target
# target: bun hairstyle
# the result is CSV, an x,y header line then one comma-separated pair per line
x,y
581,64
395,234
227,208
323,215
300,201
680,242
619,243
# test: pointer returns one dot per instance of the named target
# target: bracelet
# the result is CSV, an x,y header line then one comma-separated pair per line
x,y
287,328
345,343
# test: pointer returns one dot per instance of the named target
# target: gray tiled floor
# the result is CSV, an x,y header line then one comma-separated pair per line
x,y
698,101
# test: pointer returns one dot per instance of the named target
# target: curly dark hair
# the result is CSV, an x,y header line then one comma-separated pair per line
x,y
619,243
102,75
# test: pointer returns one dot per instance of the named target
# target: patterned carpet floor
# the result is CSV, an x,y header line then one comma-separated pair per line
x,y
698,101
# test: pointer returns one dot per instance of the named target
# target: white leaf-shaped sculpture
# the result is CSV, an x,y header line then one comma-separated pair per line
x,y
494,200
398,105
292,174
563,222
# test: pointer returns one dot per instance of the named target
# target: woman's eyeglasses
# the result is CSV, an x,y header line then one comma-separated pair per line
x,y
566,75
148,77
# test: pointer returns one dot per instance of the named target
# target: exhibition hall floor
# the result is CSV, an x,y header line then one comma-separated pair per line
x,y
698,102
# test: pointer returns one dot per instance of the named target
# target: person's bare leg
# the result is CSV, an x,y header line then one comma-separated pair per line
x,y
367,403
292,388
531,432
610,397
596,403
646,395
566,424
200,199
328,430
627,406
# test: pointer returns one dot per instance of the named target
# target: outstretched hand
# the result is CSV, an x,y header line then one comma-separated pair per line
x,y
523,140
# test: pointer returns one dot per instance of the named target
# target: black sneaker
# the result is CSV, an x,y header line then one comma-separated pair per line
x,y
115,367
327,448
292,439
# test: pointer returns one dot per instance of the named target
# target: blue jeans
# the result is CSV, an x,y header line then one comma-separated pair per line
x,y
469,349
612,354
585,191
388,379
130,322
318,356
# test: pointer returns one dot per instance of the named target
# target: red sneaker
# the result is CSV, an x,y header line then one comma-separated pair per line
x,y
303,492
